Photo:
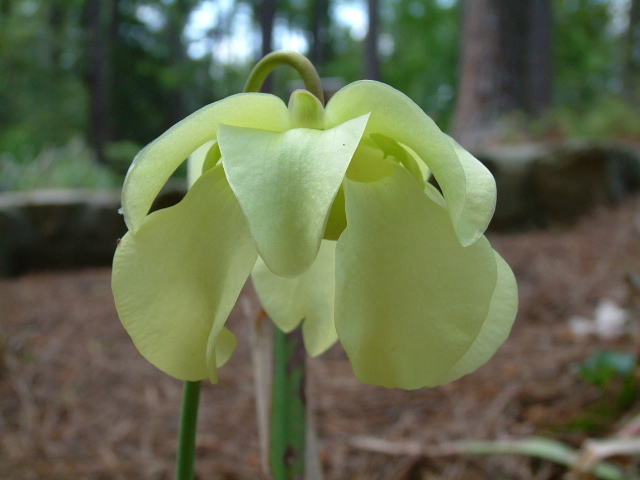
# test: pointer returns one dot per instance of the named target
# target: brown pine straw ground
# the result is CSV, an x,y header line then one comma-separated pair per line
x,y
78,402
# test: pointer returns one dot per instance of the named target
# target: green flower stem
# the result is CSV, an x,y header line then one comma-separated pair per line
x,y
288,426
188,424
288,418
285,57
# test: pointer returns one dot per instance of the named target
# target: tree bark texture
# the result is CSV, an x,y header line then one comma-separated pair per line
x,y
177,17
539,57
632,52
101,20
267,17
320,51
56,25
506,65
371,59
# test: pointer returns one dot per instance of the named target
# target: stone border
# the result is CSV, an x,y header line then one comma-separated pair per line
x,y
57,229
538,184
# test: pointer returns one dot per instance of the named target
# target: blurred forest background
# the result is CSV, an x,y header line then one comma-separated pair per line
x,y
84,84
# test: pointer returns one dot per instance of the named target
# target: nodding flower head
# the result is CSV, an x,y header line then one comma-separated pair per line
x,y
330,212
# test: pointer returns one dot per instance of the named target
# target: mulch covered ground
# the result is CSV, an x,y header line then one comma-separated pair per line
x,y
78,401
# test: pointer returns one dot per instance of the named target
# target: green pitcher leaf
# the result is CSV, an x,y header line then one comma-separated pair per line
x,y
480,200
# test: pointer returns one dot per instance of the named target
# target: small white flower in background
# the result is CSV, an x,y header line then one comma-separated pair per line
x,y
609,322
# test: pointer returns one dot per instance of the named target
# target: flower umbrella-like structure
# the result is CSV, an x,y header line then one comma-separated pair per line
x,y
329,210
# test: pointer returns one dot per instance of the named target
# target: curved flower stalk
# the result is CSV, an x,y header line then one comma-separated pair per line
x,y
328,209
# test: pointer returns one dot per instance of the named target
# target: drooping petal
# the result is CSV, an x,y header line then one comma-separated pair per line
x,y
397,116
153,166
286,183
310,297
224,345
177,278
496,327
410,300
480,200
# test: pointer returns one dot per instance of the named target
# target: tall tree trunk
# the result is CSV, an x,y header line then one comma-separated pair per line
x,y
267,17
56,25
320,51
539,56
5,7
505,65
372,61
101,30
631,75
176,21
482,89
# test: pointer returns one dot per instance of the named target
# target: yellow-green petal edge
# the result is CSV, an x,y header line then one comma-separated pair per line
x,y
496,328
153,166
395,115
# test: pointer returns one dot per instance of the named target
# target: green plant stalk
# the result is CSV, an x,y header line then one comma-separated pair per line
x,y
284,57
288,424
288,416
288,402
185,463
545,448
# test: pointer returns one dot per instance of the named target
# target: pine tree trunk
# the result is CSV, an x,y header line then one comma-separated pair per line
x,y
482,89
100,28
631,76
56,24
176,21
539,56
320,51
505,66
267,17
372,61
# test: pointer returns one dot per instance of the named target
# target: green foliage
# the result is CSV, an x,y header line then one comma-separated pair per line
x,y
606,116
156,83
614,374
42,97
48,85
587,50
347,61
603,367
70,166
423,61
547,449
119,154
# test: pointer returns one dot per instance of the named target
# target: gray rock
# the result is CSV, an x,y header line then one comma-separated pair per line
x,y
539,184
575,177
47,229
513,167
